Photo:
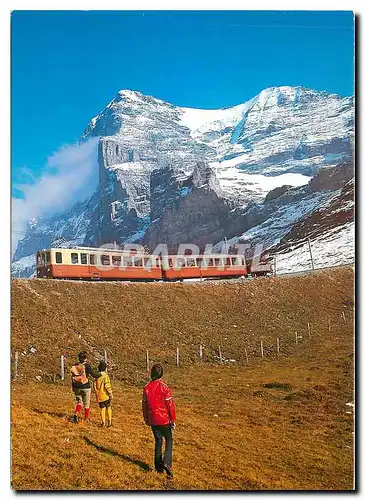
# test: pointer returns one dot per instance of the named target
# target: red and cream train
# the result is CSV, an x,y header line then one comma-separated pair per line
x,y
105,264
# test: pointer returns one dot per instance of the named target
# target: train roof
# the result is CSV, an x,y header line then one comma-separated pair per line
x,y
128,252
96,249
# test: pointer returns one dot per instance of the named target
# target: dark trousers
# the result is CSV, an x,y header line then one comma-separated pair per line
x,y
160,432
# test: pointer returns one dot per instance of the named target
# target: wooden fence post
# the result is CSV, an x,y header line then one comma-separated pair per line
x,y
262,349
147,363
278,344
62,367
177,356
220,354
329,325
105,356
309,330
296,337
201,352
246,355
344,317
16,359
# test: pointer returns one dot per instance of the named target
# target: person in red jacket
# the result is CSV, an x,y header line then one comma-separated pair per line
x,y
159,412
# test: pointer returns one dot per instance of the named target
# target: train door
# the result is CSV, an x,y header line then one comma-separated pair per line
x,y
93,270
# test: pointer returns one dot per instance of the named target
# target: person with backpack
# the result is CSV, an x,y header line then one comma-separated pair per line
x,y
104,394
158,410
81,387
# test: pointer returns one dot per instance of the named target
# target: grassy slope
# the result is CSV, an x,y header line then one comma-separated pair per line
x,y
299,438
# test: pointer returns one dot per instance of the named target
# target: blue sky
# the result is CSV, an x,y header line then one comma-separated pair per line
x,y
67,65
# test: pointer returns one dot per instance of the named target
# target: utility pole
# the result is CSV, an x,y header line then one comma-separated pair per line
x,y
310,252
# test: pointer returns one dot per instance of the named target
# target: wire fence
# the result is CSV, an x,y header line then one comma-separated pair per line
x,y
137,370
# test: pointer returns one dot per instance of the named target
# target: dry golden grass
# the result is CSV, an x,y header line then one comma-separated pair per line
x,y
61,317
293,437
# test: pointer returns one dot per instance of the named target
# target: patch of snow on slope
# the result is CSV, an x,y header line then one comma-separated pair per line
x,y
281,221
270,232
195,119
24,267
334,248
133,95
257,182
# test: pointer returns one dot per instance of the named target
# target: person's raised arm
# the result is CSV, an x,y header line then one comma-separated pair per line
x,y
90,371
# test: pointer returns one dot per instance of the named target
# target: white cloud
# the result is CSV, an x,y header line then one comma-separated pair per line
x,y
71,174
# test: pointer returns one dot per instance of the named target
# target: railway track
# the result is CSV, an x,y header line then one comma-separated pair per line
x,y
211,281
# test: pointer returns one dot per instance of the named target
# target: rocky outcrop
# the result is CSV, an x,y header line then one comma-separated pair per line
x,y
331,179
199,215
337,212
276,193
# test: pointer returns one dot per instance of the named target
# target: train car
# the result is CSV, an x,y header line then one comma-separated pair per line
x,y
178,267
97,264
257,269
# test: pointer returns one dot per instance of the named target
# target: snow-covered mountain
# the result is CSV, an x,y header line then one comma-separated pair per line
x,y
331,230
169,174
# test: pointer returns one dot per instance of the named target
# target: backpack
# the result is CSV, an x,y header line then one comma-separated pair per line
x,y
78,374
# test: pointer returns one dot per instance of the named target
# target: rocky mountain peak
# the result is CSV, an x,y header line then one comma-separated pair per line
x,y
168,172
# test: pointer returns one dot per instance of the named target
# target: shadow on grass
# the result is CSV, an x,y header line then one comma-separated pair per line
x,y
114,453
50,413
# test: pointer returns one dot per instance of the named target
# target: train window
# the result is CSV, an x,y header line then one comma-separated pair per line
x,y
190,262
236,261
92,259
127,261
39,259
74,258
171,263
147,262
105,260
48,257
116,260
199,261
180,262
227,261
58,257
138,261
83,257
217,262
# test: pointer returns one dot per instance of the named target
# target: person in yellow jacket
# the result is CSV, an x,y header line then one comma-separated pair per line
x,y
104,394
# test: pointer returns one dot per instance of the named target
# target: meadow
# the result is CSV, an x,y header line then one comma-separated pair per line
x,y
281,422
